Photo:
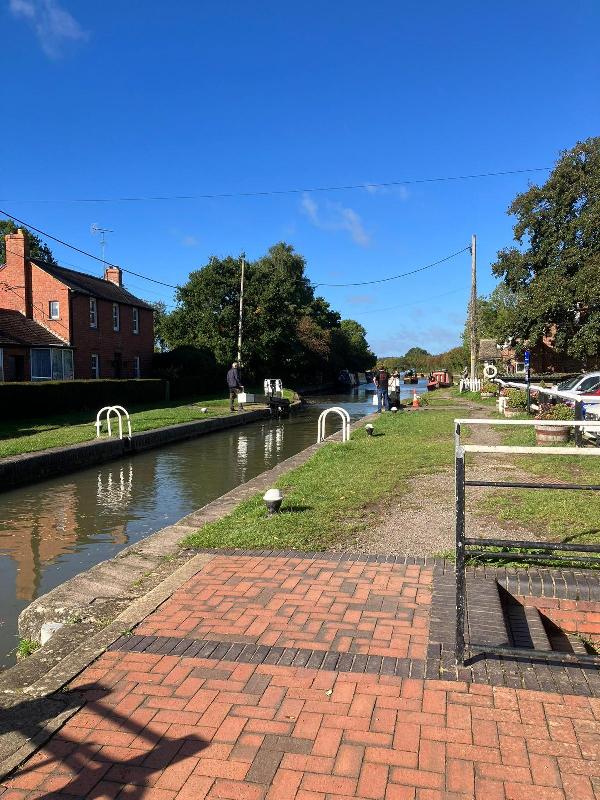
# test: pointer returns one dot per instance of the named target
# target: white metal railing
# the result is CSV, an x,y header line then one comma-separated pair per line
x,y
119,412
587,399
345,423
523,450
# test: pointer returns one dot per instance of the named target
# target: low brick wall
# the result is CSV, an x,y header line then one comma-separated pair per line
x,y
573,616
33,467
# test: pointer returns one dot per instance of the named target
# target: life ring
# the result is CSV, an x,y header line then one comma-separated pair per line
x,y
490,371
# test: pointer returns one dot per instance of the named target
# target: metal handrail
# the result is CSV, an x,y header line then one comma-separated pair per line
x,y
345,423
118,411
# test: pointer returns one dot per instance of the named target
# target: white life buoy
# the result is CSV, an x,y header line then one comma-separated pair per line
x,y
490,371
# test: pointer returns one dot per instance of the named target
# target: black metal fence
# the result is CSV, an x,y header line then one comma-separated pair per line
x,y
504,550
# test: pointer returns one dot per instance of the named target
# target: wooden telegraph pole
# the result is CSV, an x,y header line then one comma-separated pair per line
x,y
239,343
473,311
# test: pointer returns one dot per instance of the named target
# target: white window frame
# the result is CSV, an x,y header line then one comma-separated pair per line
x,y
136,320
93,312
51,305
116,315
95,365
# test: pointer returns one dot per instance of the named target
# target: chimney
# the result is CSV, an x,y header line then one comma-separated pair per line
x,y
114,275
15,276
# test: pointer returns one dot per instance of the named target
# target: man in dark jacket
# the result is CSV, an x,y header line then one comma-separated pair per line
x,y
235,385
381,379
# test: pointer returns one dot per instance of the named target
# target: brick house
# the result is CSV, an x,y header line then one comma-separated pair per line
x,y
57,323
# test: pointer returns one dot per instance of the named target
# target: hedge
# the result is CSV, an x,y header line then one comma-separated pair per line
x,y
37,400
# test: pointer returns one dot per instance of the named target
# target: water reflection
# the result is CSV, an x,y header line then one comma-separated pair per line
x,y
56,529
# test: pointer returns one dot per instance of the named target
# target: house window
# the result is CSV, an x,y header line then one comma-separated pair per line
x,y
41,364
136,320
93,313
136,366
95,366
51,364
54,310
116,324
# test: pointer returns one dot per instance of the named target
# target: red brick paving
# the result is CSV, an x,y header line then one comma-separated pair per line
x,y
351,607
162,727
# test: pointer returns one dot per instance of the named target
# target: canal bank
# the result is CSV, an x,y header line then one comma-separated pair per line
x,y
59,528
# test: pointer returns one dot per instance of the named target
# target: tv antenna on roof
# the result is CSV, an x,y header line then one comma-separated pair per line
x,y
96,229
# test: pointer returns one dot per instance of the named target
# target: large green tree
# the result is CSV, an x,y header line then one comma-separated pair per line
x,y
37,248
555,269
287,331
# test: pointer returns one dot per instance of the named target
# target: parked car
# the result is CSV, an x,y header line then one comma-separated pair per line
x,y
586,384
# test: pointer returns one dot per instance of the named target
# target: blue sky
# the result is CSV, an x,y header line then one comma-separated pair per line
x,y
145,98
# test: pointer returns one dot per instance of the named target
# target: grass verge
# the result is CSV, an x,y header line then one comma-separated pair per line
x,y
30,435
564,516
337,493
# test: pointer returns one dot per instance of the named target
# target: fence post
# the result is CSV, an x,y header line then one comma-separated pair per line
x,y
578,429
460,554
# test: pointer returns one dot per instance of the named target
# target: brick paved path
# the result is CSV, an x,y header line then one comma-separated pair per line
x,y
290,679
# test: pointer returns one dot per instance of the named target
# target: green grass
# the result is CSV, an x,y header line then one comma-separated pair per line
x,y
566,516
30,435
342,490
26,647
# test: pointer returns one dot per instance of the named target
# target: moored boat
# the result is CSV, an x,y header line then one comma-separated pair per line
x,y
442,377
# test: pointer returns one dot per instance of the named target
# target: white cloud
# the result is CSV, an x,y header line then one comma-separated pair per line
x,y
190,241
360,299
54,26
336,217
399,191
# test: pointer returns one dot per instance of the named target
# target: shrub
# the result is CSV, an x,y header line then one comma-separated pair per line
x,y
490,388
22,400
516,400
558,411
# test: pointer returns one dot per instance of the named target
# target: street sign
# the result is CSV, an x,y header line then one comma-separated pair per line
x,y
526,358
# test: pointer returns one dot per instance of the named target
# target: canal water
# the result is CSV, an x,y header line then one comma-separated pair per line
x,y
56,529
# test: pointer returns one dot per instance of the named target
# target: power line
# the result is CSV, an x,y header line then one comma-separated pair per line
x,y
269,192
395,277
41,310
84,252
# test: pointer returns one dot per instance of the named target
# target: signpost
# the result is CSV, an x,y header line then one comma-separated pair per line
x,y
528,373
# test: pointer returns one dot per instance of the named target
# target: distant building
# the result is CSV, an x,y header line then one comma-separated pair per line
x,y
544,357
59,324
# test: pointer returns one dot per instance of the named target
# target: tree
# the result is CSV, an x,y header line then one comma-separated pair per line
x,y
287,331
37,248
416,358
496,317
160,326
555,270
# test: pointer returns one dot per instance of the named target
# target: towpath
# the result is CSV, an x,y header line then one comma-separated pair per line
x,y
309,677
421,521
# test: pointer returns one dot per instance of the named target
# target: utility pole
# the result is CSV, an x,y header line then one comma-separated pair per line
x,y
473,311
239,344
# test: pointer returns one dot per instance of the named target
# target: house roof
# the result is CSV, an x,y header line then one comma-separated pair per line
x,y
17,329
88,284
488,350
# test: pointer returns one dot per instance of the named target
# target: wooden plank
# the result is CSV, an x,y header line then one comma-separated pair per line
x,y
534,451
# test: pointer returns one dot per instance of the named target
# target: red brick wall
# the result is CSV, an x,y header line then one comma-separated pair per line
x,y
572,616
106,342
15,283
9,365
45,288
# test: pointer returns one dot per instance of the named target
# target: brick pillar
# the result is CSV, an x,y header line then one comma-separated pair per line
x,y
15,276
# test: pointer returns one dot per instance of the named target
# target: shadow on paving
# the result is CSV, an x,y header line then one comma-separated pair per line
x,y
73,766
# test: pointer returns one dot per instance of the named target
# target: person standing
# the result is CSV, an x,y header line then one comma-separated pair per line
x,y
382,379
234,382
